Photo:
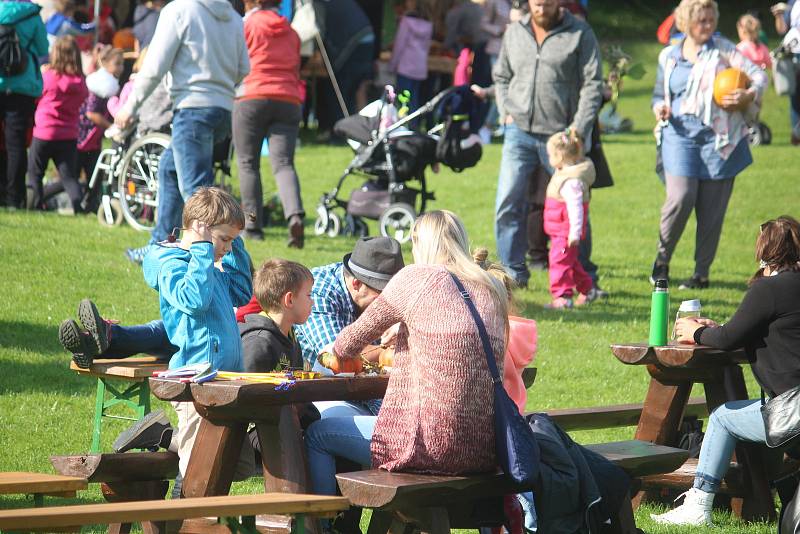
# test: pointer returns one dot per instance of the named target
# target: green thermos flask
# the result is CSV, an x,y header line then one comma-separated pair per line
x,y
659,314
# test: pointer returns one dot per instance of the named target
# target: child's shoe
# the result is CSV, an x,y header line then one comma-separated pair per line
x,y
561,303
94,324
695,510
78,342
590,296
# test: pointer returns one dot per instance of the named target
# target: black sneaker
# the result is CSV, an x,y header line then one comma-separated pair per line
x,y
695,282
78,342
94,324
660,272
150,432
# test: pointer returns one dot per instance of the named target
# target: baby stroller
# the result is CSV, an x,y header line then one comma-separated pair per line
x,y
391,157
127,177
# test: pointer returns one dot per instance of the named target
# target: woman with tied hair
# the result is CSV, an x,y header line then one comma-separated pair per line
x,y
437,415
767,326
703,146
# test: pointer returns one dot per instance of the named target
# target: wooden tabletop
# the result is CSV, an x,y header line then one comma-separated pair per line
x,y
676,355
133,369
243,400
172,509
20,482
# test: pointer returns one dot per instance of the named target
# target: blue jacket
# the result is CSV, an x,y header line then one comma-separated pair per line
x,y
24,16
197,300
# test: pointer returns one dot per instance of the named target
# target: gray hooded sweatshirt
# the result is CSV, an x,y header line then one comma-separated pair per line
x,y
200,43
549,87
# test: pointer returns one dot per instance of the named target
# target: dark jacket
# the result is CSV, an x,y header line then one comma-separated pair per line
x,y
549,87
265,347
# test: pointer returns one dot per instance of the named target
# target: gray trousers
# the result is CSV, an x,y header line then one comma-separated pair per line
x,y
278,121
709,200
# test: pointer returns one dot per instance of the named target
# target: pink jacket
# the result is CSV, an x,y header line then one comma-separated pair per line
x,y
58,111
115,103
756,52
411,46
519,354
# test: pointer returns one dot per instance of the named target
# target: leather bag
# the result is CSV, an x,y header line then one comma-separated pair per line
x,y
781,416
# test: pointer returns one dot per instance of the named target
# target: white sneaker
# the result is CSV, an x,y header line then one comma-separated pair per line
x,y
695,510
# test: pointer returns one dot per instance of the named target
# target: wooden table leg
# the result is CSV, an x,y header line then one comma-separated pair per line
x,y
758,504
662,412
213,461
150,490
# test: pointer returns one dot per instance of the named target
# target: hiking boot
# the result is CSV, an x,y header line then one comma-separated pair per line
x,y
78,342
296,232
561,303
94,324
136,255
150,432
695,282
695,510
660,272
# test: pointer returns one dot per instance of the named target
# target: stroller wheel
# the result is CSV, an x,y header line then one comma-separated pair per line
x,y
111,216
331,227
397,220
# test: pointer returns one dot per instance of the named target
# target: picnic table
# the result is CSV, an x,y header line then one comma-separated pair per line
x,y
673,370
227,407
134,394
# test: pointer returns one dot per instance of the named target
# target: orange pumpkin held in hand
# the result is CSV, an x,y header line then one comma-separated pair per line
x,y
726,82
341,365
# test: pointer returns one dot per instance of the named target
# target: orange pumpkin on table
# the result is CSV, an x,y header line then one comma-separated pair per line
x,y
341,365
726,82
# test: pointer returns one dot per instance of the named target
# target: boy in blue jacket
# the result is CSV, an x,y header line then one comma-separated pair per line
x,y
199,279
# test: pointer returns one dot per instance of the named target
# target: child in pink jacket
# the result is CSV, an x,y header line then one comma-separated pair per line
x,y
566,209
748,28
55,132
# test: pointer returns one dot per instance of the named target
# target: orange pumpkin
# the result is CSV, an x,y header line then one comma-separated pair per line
x,y
342,365
124,39
726,82
386,358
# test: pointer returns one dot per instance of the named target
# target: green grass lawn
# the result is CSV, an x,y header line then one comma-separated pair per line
x,y
50,262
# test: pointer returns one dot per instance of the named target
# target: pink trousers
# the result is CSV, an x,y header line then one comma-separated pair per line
x,y
566,272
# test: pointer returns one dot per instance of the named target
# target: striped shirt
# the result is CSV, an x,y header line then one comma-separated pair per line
x,y
333,309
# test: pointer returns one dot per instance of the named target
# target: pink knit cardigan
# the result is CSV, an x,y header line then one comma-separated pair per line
x,y
438,412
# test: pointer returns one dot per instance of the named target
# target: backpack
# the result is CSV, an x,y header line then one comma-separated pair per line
x,y
13,56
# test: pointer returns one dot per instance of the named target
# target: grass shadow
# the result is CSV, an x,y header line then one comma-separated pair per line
x,y
33,337
44,374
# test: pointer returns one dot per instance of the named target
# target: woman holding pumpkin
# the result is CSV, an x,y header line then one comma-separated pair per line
x,y
437,415
704,137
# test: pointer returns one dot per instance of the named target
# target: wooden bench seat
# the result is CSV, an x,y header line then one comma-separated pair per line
x,y
228,506
40,484
401,492
613,416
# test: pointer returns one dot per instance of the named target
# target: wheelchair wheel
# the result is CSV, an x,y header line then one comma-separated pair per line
x,y
138,180
397,221
331,227
112,217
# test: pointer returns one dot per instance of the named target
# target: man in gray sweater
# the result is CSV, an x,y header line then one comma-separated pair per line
x,y
199,45
548,77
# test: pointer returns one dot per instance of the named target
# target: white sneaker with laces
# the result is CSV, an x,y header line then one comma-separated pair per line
x,y
695,510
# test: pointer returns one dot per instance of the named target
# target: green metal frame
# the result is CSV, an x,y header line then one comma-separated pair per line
x,y
135,396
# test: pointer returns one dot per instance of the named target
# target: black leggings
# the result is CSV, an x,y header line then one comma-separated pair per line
x,y
65,156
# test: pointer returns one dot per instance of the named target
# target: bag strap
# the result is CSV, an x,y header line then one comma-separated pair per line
x,y
487,347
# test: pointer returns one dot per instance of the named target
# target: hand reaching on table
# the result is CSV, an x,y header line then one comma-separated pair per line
x,y
687,326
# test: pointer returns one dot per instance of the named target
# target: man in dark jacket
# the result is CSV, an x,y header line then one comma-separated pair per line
x,y
548,77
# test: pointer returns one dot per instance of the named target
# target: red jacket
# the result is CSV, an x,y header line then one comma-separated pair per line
x,y
274,50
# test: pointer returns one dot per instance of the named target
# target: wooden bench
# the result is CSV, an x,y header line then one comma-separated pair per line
x,y
135,395
438,503
614,416
40,484
228,508
130,476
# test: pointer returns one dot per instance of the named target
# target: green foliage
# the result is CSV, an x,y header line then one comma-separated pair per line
x,y
50,262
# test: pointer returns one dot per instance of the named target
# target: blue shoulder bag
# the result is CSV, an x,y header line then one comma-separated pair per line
x,y
515,445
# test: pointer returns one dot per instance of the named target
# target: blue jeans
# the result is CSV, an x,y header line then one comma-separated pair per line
x,y
148,338
522,153
732,422
188,163
347,437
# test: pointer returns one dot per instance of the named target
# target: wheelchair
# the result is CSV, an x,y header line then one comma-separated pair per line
x,y
127,177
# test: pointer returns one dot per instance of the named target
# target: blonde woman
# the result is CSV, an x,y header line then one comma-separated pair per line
x,y
437,415
703,146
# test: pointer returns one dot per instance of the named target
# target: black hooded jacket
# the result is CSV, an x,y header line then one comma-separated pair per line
x,y
264,347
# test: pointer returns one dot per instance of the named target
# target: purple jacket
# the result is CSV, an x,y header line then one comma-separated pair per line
x,y
411,46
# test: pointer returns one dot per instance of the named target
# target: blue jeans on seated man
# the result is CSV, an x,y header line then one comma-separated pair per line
x,y
730,423
346,437
522,153
149,338
188,163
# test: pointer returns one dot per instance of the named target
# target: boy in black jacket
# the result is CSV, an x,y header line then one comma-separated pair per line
x,y
283,289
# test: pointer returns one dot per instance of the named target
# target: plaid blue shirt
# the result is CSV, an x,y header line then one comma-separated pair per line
x,y
333,310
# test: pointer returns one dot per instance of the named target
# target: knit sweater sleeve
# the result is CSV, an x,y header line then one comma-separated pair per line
x,y
753,314
392,306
